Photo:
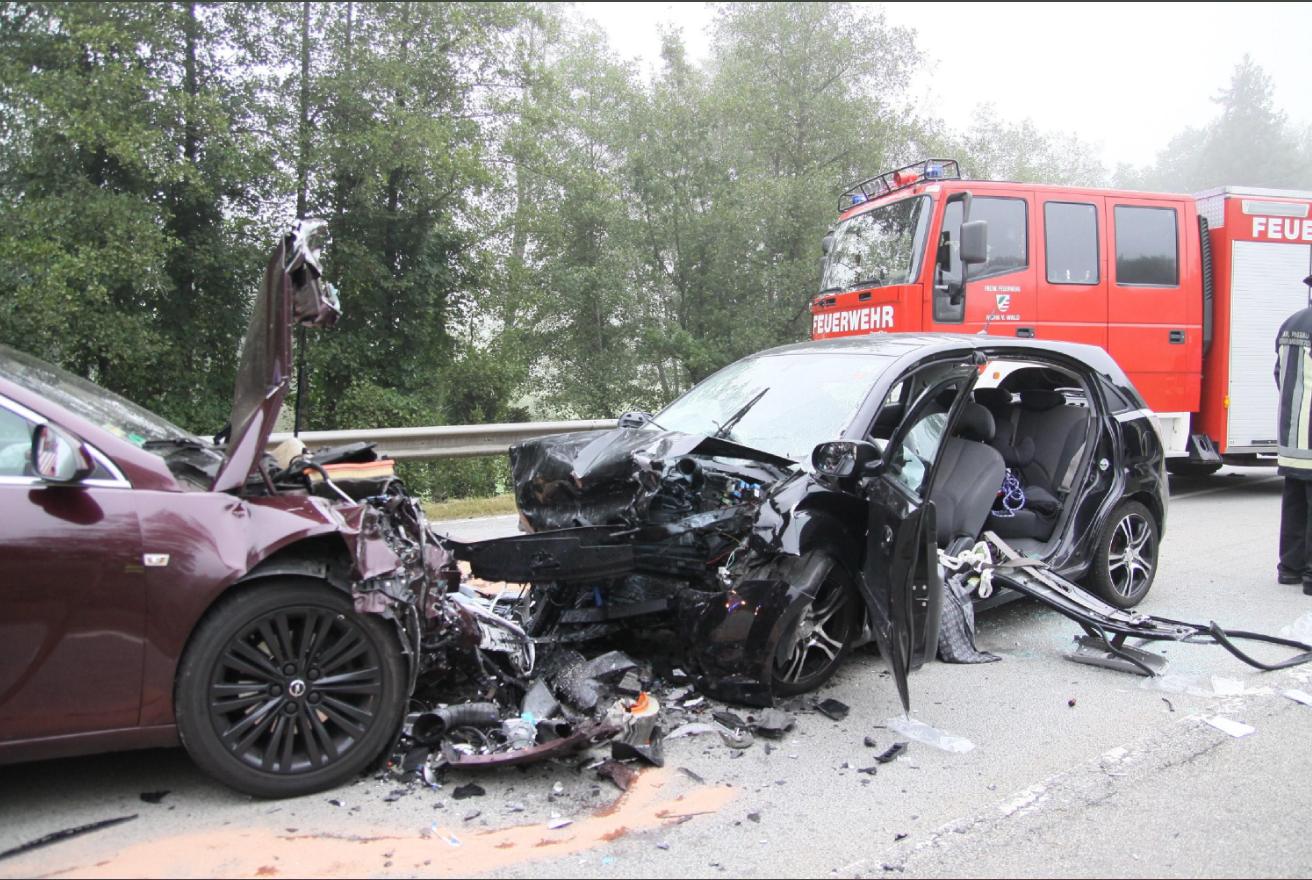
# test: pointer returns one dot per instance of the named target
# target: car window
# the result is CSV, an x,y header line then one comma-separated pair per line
x,y
15,445
911,460
1008,236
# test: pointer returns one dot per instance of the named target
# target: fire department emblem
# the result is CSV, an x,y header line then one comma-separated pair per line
x,y
1004,301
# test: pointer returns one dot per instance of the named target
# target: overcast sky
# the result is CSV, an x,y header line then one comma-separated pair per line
x,y
1128,76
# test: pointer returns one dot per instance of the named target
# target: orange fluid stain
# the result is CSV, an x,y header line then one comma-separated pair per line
x,y
247,853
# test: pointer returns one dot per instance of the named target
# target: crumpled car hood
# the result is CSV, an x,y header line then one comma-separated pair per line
x,y
608,477
292,291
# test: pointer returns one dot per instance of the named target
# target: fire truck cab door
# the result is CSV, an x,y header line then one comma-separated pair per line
x,y
1000,292
1151,259
1071,276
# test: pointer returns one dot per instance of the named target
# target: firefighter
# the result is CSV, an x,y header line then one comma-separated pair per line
x,y
1294,433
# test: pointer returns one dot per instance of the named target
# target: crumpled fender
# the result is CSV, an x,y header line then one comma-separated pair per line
x,y
733,638
802,513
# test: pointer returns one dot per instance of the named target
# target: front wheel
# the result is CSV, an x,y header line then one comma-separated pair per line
x,y
286,690
822,634
1125,561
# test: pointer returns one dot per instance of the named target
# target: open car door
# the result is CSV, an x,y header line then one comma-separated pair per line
x,y
901,543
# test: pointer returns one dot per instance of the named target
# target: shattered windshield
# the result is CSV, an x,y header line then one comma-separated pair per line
x,y
88,400
796,401
878,248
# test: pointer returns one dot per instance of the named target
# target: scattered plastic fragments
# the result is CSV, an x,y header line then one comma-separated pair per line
x,y
692,729
1227,687
834,709
444,835
66,834
773,723
1300,630
891,753
870,742
621,774
153,797
472,815
691,775
754,817
1297,696
663,846
736,739
1234,728
472,789
539,701
555,824
874,768
640,736
335,802
930,736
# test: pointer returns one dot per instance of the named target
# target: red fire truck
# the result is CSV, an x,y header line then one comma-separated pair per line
x,y
1185,292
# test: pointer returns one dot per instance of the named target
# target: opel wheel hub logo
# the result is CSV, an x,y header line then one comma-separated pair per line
x,y
296,688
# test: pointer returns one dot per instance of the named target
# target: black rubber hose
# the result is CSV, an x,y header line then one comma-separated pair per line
x,y
1223,639
431,726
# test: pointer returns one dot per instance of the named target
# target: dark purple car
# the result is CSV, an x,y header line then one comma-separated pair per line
x,y
159,588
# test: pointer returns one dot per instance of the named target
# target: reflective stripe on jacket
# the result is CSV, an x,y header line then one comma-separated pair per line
x,y
1294,379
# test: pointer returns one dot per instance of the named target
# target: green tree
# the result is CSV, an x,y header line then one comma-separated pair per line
x,y
1249,143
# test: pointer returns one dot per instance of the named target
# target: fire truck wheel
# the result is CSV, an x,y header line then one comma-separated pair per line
x,y
1126,559
1183,467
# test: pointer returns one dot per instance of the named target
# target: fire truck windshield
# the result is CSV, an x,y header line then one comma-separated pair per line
x,y
878,248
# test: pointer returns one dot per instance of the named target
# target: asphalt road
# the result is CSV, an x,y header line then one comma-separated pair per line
x,y
1076,771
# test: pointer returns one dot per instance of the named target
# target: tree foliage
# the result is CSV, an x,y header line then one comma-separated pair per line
x,y
522,225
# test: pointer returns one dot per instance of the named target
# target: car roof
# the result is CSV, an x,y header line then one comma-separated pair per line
x,y
900,345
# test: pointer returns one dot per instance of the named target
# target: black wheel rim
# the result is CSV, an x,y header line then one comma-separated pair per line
x,y
1131,556
296,690
820,635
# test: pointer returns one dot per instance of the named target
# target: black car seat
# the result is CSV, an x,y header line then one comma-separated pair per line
x,y
1017,452
970,473
1057,431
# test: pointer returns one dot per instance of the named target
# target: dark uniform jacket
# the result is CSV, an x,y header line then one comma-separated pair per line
x,y
1294,379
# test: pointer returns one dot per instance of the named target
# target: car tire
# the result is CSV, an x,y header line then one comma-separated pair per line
x,y
829,623
1125,561
1184,467
296,717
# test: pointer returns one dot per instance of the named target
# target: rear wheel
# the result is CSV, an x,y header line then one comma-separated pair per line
x,y
822,634
1126,559
1184,467
285,690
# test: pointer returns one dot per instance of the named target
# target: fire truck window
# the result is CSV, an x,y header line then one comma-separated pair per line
x,y
1146,246
1008,240
878,248
1070,233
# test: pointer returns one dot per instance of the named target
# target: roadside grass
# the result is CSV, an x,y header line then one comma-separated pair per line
x,y
469,508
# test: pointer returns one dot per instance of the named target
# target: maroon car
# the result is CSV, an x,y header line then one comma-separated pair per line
x,y
159,588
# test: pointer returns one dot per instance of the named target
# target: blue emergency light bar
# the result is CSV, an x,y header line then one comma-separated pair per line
x,y
899,178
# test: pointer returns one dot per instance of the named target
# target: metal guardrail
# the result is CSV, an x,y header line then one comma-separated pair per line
x,y
444,441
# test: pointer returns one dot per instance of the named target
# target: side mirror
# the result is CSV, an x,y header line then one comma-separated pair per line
x,y
635,419
827,244
975,242
59,457
843,458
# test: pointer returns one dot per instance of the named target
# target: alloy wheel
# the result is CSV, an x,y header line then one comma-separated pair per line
x,y
821,635
1132,555
295,690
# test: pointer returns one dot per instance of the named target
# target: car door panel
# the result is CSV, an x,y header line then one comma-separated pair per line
x,y
73,599
901,534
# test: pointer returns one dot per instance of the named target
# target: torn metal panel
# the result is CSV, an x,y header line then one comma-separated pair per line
x,y
584,737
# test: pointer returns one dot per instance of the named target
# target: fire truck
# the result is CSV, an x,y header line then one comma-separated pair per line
x,y
1185,292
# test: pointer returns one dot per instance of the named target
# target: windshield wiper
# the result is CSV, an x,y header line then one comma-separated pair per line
x,y
722,431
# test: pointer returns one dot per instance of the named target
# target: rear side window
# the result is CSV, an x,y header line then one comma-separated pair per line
x,y
1070,232
1147,248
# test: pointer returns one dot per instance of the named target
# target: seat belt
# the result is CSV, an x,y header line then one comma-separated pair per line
x,y
1069,477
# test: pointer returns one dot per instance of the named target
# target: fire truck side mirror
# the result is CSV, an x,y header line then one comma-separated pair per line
x,y
827,244
975,242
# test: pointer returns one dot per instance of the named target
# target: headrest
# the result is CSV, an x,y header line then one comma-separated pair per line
x,y
993,398
1040,378
1038,400
975,423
